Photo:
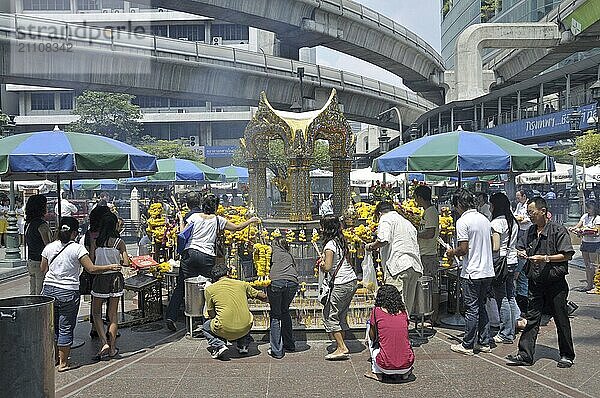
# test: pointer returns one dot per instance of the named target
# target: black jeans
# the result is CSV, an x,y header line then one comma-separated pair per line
x,y
553,297
193,263
281,293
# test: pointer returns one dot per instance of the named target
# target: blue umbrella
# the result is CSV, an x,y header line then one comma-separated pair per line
x,y
180,171
93,185
462,153
235,173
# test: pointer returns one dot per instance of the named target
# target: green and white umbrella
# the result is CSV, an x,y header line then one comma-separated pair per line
x,y
180,171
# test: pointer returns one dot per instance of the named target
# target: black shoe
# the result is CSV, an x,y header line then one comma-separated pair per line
x,y
289,349
564,362
518,360
171,325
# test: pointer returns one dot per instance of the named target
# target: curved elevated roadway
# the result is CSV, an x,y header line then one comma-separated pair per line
x,y
343,25
81,57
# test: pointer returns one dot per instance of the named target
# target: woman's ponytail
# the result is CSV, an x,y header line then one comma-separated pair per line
x,y
68,225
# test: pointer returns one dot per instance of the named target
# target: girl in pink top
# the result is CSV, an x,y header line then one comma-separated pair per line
x,y
391,353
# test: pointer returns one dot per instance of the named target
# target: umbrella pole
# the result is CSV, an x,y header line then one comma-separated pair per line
x,y
59,205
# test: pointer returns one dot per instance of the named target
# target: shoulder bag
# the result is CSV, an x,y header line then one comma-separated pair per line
x,y
220,242
500,264
326,286
375,342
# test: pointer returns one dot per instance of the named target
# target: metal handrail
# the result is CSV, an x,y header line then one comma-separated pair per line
x,y
163,46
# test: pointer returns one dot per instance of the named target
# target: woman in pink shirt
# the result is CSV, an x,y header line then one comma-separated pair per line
x,y
391,353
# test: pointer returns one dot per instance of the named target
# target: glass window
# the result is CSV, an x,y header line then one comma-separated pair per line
x,y
46,5
185,103
145,101
189,32
159,30
232,32
66,100
42,101
88,5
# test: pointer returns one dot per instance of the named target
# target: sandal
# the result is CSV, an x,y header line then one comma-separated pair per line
x,y
336,357
103,353
115,354
69,366
374,376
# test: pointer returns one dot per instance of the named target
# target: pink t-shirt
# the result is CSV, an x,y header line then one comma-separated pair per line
x,y
396,352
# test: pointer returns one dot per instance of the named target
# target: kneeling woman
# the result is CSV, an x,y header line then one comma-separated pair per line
x,y
391,353
62,261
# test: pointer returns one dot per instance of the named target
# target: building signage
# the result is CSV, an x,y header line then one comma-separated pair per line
x,y
225,151
546,125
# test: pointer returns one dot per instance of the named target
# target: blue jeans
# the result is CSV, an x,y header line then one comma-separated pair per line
x,y
216,342
281,293
507,307
193,263
66,308
477,323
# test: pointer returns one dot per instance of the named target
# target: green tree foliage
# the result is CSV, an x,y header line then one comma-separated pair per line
x,y
446,6
108,114
561,154
164,149
588,146
278,161
4,123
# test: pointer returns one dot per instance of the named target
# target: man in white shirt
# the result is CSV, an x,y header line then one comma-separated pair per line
x,y
400,256
473,234
67,209
483,205
326,207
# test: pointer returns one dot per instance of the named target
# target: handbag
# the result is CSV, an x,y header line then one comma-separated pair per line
x,y
184,237
501,266
220,243
327,284
85,282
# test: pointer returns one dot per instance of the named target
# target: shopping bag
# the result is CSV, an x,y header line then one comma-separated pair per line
x,y
368,271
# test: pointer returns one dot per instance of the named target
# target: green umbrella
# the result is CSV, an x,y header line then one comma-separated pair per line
x,y
462,153
180,171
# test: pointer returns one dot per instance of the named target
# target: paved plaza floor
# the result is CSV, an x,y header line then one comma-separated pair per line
x,y
157,363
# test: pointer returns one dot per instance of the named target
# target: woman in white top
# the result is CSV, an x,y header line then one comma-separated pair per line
x,y
62,261
108,248
198,257
335,263
590,243
505,229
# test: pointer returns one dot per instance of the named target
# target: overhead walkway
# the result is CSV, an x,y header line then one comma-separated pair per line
x,y
44,52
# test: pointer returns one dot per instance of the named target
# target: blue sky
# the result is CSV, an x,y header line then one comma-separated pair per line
x,y
422,17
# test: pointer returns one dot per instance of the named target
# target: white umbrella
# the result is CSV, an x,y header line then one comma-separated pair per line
x,y
366,177
563,174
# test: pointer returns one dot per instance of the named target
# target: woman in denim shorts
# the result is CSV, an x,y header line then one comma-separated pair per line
x,y
62,261
588,227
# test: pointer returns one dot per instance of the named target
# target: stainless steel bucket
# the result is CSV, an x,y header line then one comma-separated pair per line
x,y
194,297
424,296
27,341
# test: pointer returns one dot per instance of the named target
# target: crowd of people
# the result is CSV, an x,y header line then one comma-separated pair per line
x,y
518,258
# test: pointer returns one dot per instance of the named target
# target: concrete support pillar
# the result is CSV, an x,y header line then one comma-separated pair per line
x,y
207,32
519,105
568,92
257,183
73,5
300,189
439,122
483,115
452,119
475,117
341,183
428,126
541,100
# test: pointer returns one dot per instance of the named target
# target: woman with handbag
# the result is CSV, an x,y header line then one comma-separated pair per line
x,y
62,261
504,251
387,336
86,279
203,248
37,236
108,248
340,283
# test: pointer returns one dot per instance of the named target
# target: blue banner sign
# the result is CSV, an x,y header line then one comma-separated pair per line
x,y
225,151
551,124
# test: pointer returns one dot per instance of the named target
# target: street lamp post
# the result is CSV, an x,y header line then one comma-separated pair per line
x,y
384,145
574,210
399,120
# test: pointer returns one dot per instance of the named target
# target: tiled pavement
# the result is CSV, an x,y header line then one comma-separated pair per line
x,y
163,364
